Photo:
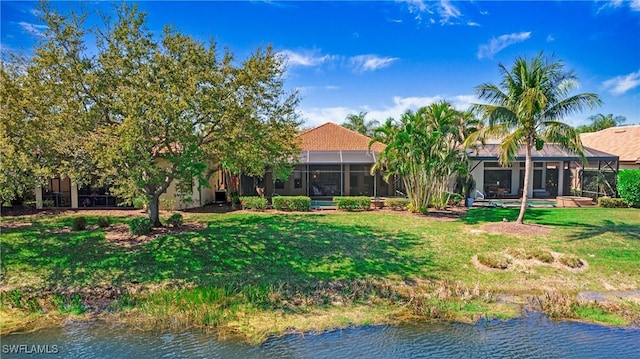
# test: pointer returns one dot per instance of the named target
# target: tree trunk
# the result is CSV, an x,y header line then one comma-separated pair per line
x,y
154,211
525,191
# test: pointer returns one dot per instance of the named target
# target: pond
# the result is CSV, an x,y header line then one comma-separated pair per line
x,y
532,336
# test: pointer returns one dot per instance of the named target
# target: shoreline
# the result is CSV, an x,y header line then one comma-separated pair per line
x,y
254,326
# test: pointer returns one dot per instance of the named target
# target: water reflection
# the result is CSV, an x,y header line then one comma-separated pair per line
x,y
530,337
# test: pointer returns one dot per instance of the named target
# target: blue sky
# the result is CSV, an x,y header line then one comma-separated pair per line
x,y
387,57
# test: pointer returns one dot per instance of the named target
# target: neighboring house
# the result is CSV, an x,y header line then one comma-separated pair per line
x,y
556,172
334,161
64,193
623,141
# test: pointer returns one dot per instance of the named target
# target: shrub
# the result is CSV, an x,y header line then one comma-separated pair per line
x,y
291,203
104,222
629,186
254,203
396,204
175,220
571,261
79,224
455,199
354,203
607,202
139,226
418,209
494,260
542,255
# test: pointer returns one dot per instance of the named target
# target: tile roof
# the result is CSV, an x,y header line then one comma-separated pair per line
x,y
623,141
332,137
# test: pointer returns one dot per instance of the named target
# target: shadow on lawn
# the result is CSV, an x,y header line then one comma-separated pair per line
x,y
590,227
252,250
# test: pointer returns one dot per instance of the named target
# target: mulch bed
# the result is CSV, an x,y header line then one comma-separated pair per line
x,y
119,234
514,228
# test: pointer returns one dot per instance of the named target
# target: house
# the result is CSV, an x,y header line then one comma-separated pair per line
x,y
334,161
623,141
556,172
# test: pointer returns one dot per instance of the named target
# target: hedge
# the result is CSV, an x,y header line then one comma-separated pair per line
x,y
291,203
396,204
607,202
353,203
254,203
629,186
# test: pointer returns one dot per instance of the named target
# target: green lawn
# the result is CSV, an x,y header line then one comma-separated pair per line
x,y
251,265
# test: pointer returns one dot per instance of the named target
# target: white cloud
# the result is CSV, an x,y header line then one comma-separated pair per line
x,y
472,23
495,45
363,63
313,58
33,29
317,116
447,11
550,38
634,5
621,84
332,87
306,58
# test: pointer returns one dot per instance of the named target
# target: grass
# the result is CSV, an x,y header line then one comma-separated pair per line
x,y
261,274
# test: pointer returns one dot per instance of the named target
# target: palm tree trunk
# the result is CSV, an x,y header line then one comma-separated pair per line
x,y
525,191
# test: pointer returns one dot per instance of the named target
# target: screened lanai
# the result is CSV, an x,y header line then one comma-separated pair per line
x,y
556,172
325,174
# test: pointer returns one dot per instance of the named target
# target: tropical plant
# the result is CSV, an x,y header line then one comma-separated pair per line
x,y
600,122
359,124
424,150
526,110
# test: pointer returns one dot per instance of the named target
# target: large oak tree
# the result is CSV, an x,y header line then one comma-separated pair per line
x,y
142,110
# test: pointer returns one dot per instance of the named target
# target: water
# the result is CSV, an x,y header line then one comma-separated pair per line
x,y
529,337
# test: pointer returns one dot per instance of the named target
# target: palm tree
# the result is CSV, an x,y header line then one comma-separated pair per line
x,y
423,149
526,109
357,123
600,122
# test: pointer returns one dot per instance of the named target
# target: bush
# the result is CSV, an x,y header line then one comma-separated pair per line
x,y
607,202
104,222
175,220
396,204
139,226
542,255
254,203
494,260
571,261
354,203
418,209
629,186
291,203
455,199
79,224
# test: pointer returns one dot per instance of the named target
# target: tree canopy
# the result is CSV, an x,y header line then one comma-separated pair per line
x,y
526,110
600,122
359,124
146,110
